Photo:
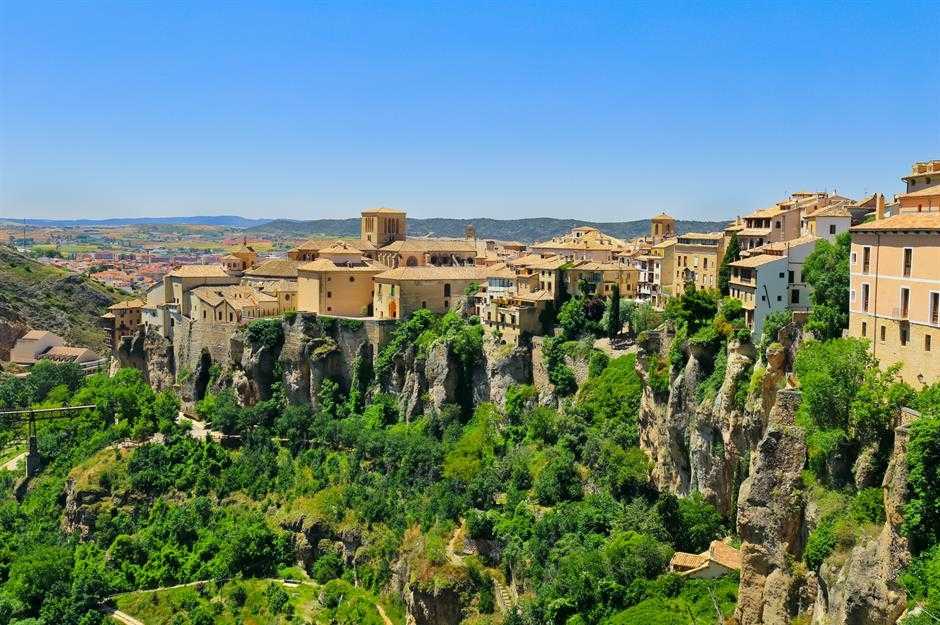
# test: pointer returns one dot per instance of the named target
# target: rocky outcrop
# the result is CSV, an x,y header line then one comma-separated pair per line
x,y
81,509
864,589
10,332
502,370
432,606
770,513
149,352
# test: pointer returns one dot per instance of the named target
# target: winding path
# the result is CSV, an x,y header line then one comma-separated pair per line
x,y
12,463
121,617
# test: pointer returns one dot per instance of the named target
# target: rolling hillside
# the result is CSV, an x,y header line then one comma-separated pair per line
x,y
35,296
525,230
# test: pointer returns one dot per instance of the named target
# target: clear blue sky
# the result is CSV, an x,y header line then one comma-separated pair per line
x,y
602,111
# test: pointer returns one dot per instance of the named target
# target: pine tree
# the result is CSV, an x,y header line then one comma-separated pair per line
x,y
613,312
732,253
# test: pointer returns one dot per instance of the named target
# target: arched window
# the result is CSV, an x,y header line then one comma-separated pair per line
x,y
412,261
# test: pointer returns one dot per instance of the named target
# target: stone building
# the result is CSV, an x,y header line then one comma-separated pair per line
x,y
433,252
340,285
122,319
401,291
662,227
231,304
759,282
381,226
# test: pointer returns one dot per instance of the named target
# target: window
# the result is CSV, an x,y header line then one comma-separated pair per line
x,y
329,293
883,333
866,259
926,342
446,303
864,329
853,258
865,289
203,314
832,228
424,304
446,289
780,275
908,258
790,276
352,279
795,296
777,225
905,302
905,335
779,298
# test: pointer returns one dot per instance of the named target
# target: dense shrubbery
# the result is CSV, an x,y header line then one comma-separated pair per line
x,y
827,270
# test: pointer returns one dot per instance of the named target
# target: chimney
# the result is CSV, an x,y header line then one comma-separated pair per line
x,y
880,206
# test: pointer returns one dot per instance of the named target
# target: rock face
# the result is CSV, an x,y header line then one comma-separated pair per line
x,y
80,510
770,512
149,352
10,332
864,590
433,606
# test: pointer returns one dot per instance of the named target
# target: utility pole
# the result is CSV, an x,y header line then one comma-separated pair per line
x,y
30,416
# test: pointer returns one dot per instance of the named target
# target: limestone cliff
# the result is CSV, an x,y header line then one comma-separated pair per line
x,y
148,351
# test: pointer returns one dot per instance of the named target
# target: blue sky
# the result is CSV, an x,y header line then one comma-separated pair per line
x,y
601,111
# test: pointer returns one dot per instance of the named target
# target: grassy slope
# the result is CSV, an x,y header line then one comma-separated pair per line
x,y
49,298
158,607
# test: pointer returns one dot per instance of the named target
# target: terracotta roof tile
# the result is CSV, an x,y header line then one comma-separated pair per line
x,y
904,221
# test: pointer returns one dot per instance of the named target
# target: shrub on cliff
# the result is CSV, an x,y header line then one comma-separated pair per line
x,y
267,333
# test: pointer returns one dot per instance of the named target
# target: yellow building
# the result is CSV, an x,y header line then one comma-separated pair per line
x,y
662,227
123,319
338,283
231,304
435,252
697,258
401,291
584,243
602,277
179,283
894,297
923,188
381,226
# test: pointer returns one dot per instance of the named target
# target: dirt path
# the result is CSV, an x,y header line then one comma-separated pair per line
x,y
12,463
384,616
121,617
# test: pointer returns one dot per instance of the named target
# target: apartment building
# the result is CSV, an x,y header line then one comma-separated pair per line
x,y
759,282
601,278
894,298
122,319
697,259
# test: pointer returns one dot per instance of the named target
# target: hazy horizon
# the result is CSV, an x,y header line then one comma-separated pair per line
x,y
601,112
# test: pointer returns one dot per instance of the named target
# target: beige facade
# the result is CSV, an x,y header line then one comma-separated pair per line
x,y
584,243
399,292
325,288
602,277
433,252
29,347
697,257
923,188
231,304
123,319
662,227
381,226
179,283
894,299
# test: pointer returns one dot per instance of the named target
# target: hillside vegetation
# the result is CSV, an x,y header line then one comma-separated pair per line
x,y
41,297
525,230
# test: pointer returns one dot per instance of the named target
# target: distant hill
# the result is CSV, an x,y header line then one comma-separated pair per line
x,y
227,221
36,296
526,230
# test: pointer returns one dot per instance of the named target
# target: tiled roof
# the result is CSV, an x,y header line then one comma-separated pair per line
x,y
434,273
931,191
535,296
384,210
663,217
235,295
64,353
340,247
34,335
431,245
755,261
198,271
681,560
725,555
782,246
754,232
131,303
327,265
275,268
904,221
833,210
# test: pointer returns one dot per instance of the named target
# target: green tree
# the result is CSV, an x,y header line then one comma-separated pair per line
x,y
613,312
922,513
732,253
827,270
